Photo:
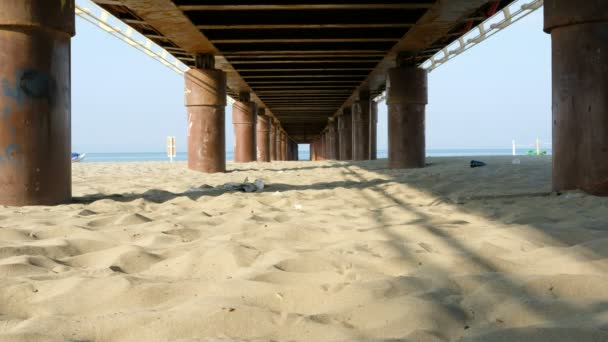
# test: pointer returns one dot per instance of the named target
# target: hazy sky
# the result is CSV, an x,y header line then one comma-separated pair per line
x,y
124,101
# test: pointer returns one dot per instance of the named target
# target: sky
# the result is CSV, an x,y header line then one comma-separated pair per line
x,y
500,90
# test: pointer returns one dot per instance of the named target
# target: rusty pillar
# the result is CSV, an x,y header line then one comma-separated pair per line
x,y
373,131
579,35
263,136
205,102
345,135
324,145
406,97
319,148
327,145
277,142
272,141
35,121
310,151
360,114
334,143
282,142
293,150
287,147
244,120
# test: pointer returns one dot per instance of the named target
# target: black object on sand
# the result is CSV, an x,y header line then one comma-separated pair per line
x,y
477,163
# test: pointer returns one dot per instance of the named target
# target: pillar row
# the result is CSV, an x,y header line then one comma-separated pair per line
x,y
35,105
244,122
345,135
361,118
263,136
406,98
579,36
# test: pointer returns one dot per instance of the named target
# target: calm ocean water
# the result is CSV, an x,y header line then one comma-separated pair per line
x,y
304,155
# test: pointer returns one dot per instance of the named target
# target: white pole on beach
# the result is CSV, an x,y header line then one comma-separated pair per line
x,y
537,146
171,148
513,147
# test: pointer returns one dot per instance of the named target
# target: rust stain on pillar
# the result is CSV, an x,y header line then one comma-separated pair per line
x,y
263,137
206,102
579,34
361,118
35,105
406,97
373,131
345,133
244,120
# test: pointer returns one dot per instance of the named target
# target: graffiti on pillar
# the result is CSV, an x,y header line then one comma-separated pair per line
x,y
32,84
29,84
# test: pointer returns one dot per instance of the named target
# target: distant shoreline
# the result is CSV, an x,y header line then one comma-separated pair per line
x,y
304,155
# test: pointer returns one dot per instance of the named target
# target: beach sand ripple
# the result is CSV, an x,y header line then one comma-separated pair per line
x,y
329,251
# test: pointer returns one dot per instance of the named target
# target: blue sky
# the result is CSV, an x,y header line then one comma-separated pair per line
x,y
124,101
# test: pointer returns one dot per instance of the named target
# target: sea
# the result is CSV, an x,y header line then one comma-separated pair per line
x,y
303,155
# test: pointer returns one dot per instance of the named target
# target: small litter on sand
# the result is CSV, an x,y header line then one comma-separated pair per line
x,y
297,206
246,186
477,163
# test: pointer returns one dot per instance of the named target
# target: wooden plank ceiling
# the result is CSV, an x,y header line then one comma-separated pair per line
x,y
303,60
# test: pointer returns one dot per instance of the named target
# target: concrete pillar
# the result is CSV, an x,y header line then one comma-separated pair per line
x,y
205,103
373,131
406,97
244,120
35,106
345,135
579,35
263,136
361,116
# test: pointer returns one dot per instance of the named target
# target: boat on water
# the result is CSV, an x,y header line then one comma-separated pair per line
x,y
78,157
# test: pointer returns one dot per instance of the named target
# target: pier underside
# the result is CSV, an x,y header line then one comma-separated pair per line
x,y
306,72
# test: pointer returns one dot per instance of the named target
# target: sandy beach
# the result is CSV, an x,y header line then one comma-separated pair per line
x,y
329,251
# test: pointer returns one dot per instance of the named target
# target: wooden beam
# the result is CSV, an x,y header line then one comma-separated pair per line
x,y
295,7
307,61
323,55
300,26
305,76
291,52
304,40
304,69
109,2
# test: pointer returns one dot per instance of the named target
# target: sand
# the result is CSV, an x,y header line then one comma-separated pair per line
x,y
329,251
